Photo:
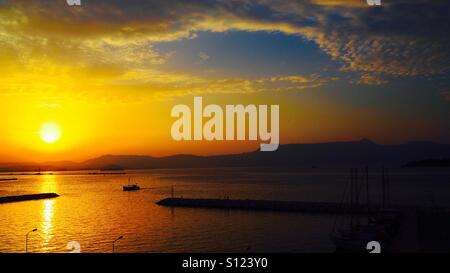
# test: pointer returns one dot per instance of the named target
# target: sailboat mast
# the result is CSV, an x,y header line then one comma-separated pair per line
x,y
356,187
368,194
356,195
387,188
351,196
367,187
383,188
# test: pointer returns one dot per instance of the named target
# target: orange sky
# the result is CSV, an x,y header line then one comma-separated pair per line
x,y
108,75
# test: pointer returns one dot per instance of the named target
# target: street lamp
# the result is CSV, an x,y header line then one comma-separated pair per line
x,y
114,242
26,239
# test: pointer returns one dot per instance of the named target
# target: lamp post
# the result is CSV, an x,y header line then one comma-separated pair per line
x,y
114,242
26,239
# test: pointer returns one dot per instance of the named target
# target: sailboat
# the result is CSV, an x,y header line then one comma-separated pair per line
x,y
131,187
387,215
356,235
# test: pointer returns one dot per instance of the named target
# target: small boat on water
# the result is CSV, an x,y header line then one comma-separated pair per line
x,y
131,187
134,187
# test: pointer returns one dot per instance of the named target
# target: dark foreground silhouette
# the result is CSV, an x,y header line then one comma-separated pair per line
x,y
27,197
247,204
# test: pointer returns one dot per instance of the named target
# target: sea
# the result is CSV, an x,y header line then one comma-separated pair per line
x,y
93,212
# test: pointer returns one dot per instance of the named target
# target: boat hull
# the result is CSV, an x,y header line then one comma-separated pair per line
x,y
131,188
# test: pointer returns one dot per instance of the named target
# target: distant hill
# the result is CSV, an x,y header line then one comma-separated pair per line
x,y
429,163
332,154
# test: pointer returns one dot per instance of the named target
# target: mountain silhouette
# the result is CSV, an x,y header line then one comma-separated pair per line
x,y
331,154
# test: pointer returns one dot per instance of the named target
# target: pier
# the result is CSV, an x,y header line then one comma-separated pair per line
x,y
27,197
8,179
268,205
106,173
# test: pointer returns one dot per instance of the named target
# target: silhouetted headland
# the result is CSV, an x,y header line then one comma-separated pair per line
x,y
311,155
287,206
27,197
429,163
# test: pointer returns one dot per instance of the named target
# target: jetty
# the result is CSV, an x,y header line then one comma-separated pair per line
x,y
268,205
27,197
106,173
8,179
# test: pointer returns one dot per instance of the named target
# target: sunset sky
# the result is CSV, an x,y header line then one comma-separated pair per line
x,y
108,73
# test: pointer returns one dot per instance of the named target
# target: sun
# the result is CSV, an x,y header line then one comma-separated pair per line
x,y
50,132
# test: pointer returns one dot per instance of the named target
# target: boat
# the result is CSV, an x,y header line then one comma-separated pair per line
x,y
387,215
356,238
131,187
381,226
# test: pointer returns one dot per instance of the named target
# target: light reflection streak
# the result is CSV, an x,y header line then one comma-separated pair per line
x,y
49,184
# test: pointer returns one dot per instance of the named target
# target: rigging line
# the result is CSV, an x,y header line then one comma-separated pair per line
x,y
341,204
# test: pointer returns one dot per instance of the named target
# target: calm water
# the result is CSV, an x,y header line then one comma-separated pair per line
x,y
93,210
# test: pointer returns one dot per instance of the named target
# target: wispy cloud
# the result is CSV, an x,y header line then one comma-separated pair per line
x,y
370,79
402,39
203,56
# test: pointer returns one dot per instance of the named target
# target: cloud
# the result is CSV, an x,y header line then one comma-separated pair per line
x,y
164,85
293,79
347,3
370,79
203,57
401,39
298,82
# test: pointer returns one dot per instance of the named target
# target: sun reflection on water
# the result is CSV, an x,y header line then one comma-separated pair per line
x,y
49,184
47,221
